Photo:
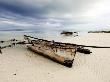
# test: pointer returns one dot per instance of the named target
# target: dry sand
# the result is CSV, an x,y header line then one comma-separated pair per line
x,y
21,65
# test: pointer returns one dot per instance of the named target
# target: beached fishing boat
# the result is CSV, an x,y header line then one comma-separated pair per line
x,y
63,53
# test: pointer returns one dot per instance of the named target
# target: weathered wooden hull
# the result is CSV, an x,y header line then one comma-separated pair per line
x,y
63,53
59,59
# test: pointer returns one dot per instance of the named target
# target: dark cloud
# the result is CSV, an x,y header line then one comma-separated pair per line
x,y
46,7
20,8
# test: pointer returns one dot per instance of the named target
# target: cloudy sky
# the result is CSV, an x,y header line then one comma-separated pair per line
x,y
55,14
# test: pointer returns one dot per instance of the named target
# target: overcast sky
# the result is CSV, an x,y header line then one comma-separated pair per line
x,y
51,14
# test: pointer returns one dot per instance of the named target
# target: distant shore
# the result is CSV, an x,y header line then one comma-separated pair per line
x,y
99,32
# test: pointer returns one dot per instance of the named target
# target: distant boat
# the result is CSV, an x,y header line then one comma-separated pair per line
x,y
63,53
67,33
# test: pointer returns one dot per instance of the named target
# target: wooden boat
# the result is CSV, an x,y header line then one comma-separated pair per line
x,y
63,53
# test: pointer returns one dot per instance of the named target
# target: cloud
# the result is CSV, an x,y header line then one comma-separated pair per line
x,y
49,8
15,23
55,13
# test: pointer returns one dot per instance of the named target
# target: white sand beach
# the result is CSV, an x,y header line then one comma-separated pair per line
x,y
18,64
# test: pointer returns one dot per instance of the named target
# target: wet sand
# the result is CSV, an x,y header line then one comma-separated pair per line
x,y
18,64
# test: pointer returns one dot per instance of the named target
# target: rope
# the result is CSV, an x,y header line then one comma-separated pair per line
x,y
93,46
